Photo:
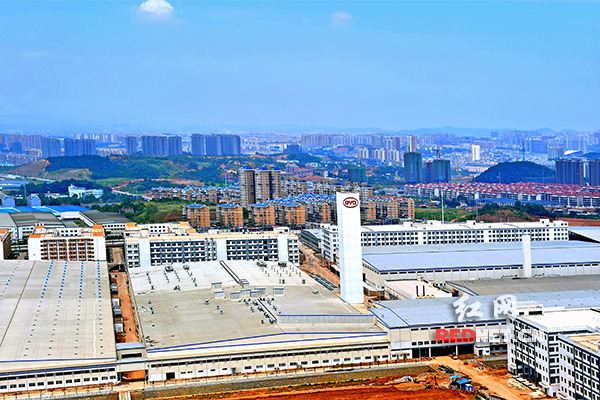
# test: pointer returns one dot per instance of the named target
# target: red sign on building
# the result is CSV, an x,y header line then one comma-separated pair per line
x,y
455,335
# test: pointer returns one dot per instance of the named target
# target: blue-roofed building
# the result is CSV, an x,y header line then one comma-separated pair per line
x,y
230,215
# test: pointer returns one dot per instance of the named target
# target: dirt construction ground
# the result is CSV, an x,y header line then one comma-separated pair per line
x,y
390,388
354,393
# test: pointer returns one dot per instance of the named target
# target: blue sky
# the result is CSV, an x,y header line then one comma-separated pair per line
x,y
191,64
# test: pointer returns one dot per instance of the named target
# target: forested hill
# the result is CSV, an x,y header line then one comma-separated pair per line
x,y
518,171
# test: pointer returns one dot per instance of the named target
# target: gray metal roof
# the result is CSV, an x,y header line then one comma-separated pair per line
x,y
529,285
36,218
406,258
100,217
588,232
441,311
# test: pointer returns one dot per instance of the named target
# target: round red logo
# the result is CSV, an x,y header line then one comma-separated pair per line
x,y
350,202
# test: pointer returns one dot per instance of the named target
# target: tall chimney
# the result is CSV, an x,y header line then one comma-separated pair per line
x,y
348,216
526,270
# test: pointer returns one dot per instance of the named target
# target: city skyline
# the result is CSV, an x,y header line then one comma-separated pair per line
x,y
186,66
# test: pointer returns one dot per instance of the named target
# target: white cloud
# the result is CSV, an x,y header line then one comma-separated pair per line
x,y
341,18
156,8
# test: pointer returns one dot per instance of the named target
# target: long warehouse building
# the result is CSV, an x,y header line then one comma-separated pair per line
x,y
478,261
56,326
160,244
435,232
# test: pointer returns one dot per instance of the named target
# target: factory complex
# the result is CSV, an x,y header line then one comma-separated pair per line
x,y
184,305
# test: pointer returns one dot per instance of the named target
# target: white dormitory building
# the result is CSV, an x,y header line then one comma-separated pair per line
x,y
67,244
435,232
557,349
157,244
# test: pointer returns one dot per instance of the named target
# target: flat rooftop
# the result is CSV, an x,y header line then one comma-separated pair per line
x,y
571,320
527,285
441,311
590,341
194,306
54,314
407,258
410,288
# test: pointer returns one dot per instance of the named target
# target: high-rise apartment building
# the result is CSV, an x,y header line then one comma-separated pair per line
x,y
131,143
161,146
216,145
79,147
569,172
174,146
259,185
594,169
436,171
357,173
411,144
475,152
413,167
50,147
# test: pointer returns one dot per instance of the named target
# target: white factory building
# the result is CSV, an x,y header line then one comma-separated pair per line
x,y
160,244
557,349
437,233
56,326
421,327
439,264
246,317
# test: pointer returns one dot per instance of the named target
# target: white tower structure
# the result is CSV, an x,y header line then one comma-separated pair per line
x,y
348,216
475,152
526,271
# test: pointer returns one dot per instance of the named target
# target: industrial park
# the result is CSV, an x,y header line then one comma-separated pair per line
x,y
299,200
185,307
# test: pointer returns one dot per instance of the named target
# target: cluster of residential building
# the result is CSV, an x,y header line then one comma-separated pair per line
x,y
576,196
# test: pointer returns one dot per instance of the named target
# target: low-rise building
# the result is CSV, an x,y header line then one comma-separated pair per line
x,y
230,215
158,244
80,192
290,214
262,214
5,243
67,244
198,215
556,349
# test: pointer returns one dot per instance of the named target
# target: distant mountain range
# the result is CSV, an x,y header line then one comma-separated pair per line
x,y
31,123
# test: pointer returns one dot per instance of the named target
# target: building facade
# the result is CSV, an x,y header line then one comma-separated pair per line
x,y
434,232
67,244
198,215
157,244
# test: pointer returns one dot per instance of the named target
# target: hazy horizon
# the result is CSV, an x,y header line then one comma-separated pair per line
x,y
180,66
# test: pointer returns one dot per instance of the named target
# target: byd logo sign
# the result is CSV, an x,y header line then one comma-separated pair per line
x,y
455,335
350,202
